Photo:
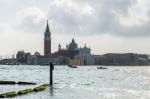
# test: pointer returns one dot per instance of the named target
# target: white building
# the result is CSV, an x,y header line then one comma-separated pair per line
x,y
85,55
32,60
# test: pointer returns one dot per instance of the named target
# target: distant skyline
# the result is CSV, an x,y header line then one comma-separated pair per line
x,y
106,26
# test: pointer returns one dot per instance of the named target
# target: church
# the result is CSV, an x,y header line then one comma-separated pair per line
x,y
69,55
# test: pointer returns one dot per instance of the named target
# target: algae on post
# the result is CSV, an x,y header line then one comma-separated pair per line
x,y
9,94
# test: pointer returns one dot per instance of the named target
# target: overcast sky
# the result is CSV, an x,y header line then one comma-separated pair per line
x,y
106,26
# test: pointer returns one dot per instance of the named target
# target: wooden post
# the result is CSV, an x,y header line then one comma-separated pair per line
x,y
51,73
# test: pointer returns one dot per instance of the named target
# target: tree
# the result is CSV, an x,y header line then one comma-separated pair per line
x,y
22,56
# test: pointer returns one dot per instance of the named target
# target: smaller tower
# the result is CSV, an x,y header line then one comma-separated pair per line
x,y
67,46
59,47
84,45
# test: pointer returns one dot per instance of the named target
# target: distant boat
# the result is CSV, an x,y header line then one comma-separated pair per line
x,y
102,68
72,66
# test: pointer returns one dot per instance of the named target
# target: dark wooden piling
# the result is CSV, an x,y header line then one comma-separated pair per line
x,y
51,73
13,83
26,83
8,82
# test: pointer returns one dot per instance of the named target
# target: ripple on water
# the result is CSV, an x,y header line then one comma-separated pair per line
x,y
82,83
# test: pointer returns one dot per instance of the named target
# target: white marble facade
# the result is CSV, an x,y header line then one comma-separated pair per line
x,y
85,55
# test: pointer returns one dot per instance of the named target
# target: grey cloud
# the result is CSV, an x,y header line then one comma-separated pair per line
x,y
27,25
135,31
32,19
104,18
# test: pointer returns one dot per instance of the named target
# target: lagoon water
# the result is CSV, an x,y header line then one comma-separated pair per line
x,y
84,82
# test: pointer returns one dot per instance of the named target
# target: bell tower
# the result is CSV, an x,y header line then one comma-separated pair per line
x,y
47,41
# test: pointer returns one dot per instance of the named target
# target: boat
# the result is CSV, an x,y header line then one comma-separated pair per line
x,y
101,67
72,66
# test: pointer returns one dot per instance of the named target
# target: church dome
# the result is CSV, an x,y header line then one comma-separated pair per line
x,y
85,49
73,45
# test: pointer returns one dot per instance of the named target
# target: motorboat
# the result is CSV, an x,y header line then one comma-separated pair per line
x,y
101,67
72,66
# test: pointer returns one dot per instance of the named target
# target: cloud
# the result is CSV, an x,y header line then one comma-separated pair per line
x,y
31,19
6,1
5,28
67,16
127,18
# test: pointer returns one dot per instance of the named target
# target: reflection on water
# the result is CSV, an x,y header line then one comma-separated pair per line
x,y
80,83
51,91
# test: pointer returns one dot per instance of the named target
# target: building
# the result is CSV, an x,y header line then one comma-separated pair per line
x,y
32,60
47,41
70,54
85,56
98,59
70,51
48,57
76,62
78,56
9,61
59,60
125,59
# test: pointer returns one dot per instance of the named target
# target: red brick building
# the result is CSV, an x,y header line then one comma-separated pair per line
x,y
47,41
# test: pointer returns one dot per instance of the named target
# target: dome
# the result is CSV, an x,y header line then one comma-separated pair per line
x,y
85,49
73,45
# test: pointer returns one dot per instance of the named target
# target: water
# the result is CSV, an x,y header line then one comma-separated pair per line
x,y
81,83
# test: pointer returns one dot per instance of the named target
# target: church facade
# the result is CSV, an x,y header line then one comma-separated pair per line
x,y
70,51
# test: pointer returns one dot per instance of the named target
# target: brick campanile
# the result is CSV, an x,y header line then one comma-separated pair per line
x,y
47,41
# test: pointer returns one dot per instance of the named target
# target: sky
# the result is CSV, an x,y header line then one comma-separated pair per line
x,y
106,26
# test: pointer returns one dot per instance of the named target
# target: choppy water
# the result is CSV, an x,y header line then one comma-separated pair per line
x,y
81,83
